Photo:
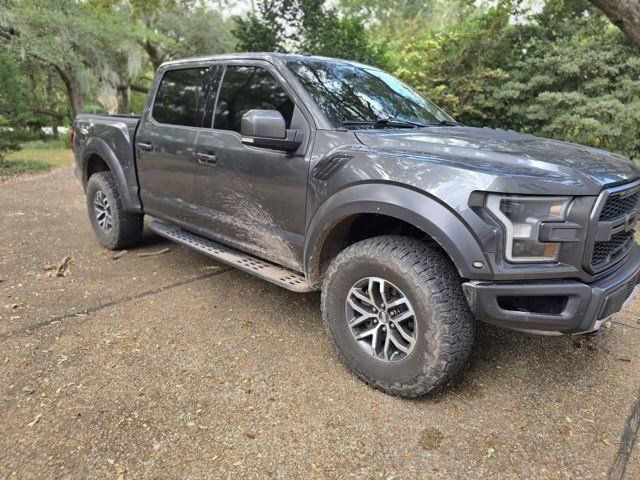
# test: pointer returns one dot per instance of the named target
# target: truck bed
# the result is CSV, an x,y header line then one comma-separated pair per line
x,y
112,139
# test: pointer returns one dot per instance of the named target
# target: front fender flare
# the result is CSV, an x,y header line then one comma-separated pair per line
x,y
416,208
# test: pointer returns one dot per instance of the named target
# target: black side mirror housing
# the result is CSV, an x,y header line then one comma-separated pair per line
x,y
267,129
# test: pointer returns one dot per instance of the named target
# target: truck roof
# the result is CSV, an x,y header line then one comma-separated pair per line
x,y
260,56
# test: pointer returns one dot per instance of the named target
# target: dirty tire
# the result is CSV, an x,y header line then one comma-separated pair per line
x,y
428,278
126,227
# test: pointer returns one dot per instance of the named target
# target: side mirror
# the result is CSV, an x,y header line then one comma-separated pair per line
x,y
267,129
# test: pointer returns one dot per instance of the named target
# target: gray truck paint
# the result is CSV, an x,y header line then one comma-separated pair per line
x,y
282,206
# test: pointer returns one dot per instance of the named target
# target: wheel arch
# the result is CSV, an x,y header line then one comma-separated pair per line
x,y
424,213
95,156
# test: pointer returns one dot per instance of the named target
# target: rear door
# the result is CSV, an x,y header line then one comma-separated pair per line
x,y
253,197
165,144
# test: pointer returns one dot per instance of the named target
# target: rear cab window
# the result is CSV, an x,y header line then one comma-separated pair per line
x,y
177,101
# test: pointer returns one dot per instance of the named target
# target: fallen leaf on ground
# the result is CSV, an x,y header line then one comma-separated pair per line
x,y
158,252
35,420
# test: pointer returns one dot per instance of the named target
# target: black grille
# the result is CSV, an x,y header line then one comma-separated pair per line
x,y
609,250
619,205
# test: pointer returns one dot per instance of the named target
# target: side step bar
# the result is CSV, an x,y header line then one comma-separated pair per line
x,y
260,268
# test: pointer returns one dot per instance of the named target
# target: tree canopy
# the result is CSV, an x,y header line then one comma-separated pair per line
x,y
561,69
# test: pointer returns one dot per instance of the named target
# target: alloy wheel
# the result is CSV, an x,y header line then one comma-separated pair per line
x,y
103,211
381,319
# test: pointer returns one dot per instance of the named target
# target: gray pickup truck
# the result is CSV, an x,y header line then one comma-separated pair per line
x,y
323,174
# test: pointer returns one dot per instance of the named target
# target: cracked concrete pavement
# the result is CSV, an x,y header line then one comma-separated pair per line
x,y
174,366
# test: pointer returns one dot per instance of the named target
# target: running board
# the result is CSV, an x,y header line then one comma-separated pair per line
x,y
260,268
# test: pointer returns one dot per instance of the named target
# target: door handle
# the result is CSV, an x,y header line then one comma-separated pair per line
x,y
145,147
207,158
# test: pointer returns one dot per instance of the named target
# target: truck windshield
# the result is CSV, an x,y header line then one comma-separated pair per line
x,y
357,96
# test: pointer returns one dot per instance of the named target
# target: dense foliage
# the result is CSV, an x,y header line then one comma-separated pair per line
x,y
311,26
564,73
560,69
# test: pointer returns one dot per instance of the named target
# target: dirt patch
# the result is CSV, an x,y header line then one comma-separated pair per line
x,y
431,438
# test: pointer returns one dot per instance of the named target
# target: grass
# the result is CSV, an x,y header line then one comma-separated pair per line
x,y
36,156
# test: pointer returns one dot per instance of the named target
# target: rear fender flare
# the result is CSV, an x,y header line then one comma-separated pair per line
x,y
422,211
97,146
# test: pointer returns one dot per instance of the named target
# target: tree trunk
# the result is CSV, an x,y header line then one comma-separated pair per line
x,y
624,14
55,132
74,95
152,51
124,105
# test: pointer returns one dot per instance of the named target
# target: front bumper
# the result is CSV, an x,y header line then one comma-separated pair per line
x,y
578,307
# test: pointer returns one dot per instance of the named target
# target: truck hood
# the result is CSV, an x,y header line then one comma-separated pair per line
x,y
536,165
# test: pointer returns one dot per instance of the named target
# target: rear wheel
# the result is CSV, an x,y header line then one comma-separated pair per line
x,y
395,310
113,226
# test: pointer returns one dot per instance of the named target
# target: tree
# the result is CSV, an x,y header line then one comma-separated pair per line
x,y
12,99
564,73
66,37
168,29
311,26
403,18
624,14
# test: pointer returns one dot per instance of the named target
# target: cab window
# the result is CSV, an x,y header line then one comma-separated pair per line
x,y
178,97
245,88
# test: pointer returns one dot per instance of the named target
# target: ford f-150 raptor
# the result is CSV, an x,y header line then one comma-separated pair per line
x,y
323,174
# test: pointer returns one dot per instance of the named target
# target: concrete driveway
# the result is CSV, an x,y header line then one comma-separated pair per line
x,y
173,366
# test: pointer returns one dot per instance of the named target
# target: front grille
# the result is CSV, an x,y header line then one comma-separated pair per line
x,y
619,204
613,228
610,250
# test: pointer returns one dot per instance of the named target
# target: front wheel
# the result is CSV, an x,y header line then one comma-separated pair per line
x,y
395,310
114,227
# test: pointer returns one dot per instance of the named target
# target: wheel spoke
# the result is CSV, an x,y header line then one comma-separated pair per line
x,y
387,342
404,334
355,321
367,333
374,342
403,316
360,309
371,290
397,302
361,296
383,294
399,344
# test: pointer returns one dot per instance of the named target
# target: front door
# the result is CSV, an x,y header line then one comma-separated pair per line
x,y
253,198
166,143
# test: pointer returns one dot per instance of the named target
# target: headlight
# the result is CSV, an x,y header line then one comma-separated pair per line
x,y
521,217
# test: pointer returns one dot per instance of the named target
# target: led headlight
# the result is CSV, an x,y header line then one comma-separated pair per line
x,y
521,217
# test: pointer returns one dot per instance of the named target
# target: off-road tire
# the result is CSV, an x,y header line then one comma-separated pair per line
x,y
126,229
428,278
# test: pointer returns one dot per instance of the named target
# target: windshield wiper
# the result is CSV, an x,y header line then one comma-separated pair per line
x,y
384,122
444,123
